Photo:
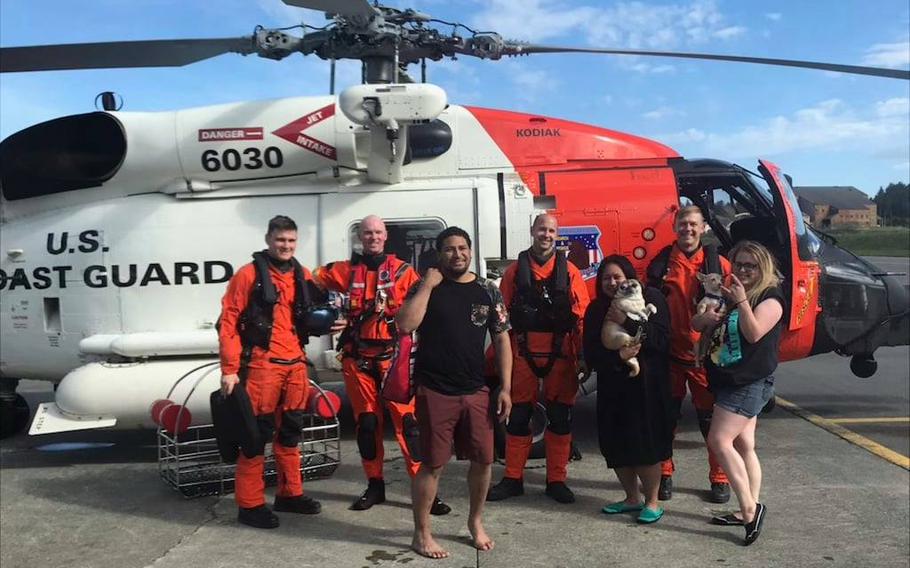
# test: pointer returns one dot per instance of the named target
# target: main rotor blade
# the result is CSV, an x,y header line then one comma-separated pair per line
x,y
154,53
519,49
360,9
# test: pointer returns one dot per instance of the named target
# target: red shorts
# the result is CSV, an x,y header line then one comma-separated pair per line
x,y
466,420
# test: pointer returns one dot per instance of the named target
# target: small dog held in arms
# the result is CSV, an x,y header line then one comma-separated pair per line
x,y
711,283
630,300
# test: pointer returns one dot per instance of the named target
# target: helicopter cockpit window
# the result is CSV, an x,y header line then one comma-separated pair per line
x,y
411,241
728,203
65,154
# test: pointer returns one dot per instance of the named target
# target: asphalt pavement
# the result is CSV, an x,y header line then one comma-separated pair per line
x,y
95,499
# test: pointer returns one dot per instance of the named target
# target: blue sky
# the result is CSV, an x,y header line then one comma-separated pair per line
x,y
823,128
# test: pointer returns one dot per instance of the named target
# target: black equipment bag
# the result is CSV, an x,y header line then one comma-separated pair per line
x,y
235,425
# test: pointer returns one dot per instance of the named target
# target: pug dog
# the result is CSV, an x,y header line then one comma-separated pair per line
x,y
630,300
713,298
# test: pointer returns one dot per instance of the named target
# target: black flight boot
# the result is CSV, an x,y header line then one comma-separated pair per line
x,y
439,508
300,504
560,492
508,487
665,492
260,517
720,492
374,495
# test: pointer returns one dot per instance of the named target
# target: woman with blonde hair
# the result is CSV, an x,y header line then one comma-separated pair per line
x,y
745,338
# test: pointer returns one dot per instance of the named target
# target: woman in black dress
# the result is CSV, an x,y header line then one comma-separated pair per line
x,y
633,413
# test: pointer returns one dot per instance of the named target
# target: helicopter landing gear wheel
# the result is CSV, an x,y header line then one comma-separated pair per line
x,y
863,365
14,414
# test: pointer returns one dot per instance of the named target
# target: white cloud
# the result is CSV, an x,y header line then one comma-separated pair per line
x,y
285,15
530,82
728,32
634,25
662,112
893,107
881,130
774,16
688,135
641,67
895,55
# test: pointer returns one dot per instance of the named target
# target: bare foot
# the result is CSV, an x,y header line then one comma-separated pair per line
x,y
424,545
480,539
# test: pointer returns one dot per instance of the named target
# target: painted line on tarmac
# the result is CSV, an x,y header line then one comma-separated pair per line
x,y
848,435
880,420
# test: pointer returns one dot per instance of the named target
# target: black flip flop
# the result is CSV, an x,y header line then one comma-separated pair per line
x,y
729,520
753,527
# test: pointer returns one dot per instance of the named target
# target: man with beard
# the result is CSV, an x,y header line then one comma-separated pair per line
x,y
547,299
376,283
453,309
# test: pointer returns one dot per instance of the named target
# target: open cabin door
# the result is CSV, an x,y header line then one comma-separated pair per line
x,y
802,286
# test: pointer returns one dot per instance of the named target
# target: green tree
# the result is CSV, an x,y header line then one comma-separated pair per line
x,y
893,203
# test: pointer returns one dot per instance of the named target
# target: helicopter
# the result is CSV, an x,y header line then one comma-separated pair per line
x,y
121,229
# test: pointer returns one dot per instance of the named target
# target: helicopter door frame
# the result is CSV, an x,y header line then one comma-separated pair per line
x,y
804,271
448,205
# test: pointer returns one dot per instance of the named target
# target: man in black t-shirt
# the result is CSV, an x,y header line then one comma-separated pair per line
x,y
453,309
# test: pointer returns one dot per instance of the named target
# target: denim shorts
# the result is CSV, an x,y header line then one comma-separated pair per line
x,y
747,400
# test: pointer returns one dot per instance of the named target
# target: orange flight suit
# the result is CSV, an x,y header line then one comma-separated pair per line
x,y
681,287
561,383
271,386
364,366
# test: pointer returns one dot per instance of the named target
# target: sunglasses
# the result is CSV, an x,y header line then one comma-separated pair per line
x,y
744,267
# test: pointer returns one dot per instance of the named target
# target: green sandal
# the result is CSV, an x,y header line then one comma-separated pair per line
x,y
620,507
649,515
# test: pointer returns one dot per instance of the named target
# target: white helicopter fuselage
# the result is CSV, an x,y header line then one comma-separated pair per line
x,y
115,289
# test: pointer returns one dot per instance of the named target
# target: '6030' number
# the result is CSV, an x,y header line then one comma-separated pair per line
x,y
248,158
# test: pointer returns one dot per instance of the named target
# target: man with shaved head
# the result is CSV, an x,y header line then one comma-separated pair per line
x,y
547,298
376,283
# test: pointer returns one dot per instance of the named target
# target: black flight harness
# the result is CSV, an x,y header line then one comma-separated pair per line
x,y
542,306
657,273
255,323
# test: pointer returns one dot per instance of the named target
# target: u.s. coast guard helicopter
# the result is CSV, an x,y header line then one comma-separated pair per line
x,y
120,229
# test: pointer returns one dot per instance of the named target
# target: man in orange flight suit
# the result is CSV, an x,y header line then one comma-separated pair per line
x,y
261,337
547,298
676,276
377,284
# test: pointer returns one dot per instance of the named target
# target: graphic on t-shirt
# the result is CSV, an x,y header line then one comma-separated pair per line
x,y
480,313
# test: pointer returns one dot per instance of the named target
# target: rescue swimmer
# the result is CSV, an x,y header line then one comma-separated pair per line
x,y
376,284
265,319
547,298
674,271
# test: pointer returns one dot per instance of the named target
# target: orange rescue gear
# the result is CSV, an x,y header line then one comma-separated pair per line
x,y
682,289
275,380
560,385
377,288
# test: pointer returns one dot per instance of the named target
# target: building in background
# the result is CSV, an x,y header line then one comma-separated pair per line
x,y
836,206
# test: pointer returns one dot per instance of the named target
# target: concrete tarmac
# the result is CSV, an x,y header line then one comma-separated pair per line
x,y
830,503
